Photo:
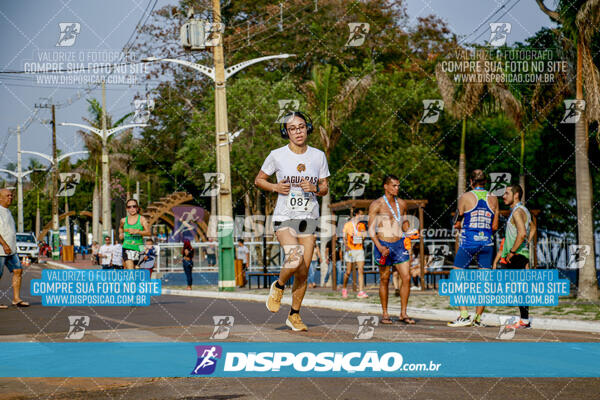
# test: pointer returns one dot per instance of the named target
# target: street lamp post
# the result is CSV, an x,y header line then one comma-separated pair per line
x,y
219,74
104,134
19,177
54,165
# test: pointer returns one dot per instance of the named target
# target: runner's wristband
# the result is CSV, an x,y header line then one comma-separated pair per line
x,y
458,217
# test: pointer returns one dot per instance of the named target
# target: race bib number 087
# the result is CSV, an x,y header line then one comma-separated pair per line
x,y
299,201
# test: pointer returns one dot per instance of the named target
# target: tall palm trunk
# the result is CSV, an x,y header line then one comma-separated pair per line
x,y
588,286
462,161
38,221
522,165
68,222
96,209
325,212
247,216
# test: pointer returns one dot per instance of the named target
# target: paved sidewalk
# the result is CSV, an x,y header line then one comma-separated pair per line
x,y
79,263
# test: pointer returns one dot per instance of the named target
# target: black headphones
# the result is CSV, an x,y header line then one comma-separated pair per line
x,y
288,117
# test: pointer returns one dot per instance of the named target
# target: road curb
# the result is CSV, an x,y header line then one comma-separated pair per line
x,y
59,265
369,308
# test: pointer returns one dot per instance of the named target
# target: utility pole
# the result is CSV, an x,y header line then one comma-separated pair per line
x,y
55,241
219,74
19,183
106,205
19,175
54,176
225,210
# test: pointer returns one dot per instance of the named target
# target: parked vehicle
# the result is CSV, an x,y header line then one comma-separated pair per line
x,y
27,246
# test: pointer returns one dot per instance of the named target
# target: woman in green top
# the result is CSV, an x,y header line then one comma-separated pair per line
x,y
132,229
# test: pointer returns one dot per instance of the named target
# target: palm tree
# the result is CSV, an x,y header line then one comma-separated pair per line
x,y
533,111
461,102
579,19
94,145
331,102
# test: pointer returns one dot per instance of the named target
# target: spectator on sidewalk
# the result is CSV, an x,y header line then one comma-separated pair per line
x,y
355,231
148,257
242,253
211,253
105,253
8,248
188,262
314,263
338,264
95,257
117,255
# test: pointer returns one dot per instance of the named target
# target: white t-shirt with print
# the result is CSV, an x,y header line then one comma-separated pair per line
x,y
241,253
291,167
8,230
117,254
105,253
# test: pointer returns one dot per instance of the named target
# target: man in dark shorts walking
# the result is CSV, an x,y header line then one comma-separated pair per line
x,y
520,230
387,227
477,215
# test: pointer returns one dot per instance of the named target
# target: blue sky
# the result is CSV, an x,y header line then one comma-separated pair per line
x,y
30,28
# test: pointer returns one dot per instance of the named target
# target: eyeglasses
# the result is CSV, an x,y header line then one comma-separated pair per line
x,y
298,128
134,206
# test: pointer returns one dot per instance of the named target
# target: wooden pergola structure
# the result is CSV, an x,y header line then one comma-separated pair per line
x,y
350,205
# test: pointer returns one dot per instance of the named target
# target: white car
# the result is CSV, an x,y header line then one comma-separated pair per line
x,y
27,246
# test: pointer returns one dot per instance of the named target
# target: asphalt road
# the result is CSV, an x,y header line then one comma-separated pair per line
x,y
187,319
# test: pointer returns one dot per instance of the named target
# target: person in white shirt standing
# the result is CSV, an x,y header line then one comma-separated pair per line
x,y
8,248
117,255
105,253
302,173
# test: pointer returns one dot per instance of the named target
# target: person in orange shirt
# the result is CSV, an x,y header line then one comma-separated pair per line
x,y
499,258
354,234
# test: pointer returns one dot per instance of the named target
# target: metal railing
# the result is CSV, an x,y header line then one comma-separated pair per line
x,y
169,255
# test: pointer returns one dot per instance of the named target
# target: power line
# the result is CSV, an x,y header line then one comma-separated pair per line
x,y
506,12
485,20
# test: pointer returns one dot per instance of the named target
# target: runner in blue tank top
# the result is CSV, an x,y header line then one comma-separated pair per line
x,y
477,217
